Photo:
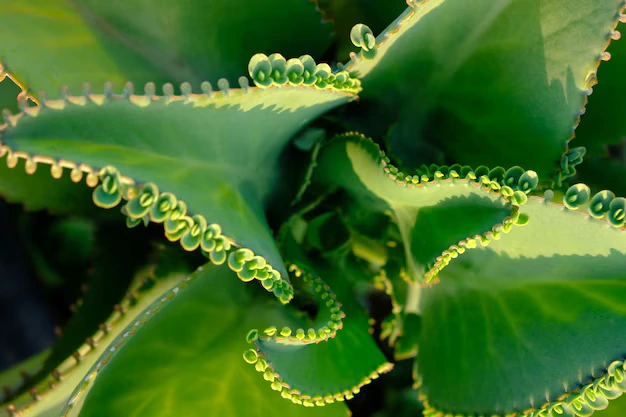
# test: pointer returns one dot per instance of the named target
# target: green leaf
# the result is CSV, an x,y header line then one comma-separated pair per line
x,y
400,402
186,359
214,154
37,191
14,379
51,393
408,343
616,408
328,234
118,254
331,358
48,44
438,209
601,125
41,191
489,82
401,327
8,95
535,319
390,280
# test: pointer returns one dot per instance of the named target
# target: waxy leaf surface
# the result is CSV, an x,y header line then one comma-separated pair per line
x,y
490,82
54,394
431,215
186,359
533,316
219,155
48,44
602,124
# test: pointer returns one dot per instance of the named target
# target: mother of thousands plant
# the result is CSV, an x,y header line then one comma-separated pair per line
x,y
434,163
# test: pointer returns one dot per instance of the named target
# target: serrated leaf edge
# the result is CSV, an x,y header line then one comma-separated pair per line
x,y
111,188
286,337
60,372
595,395
567,164
496,181
339,82
583,402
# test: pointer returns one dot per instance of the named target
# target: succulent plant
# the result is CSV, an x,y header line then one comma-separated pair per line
x,y
420,159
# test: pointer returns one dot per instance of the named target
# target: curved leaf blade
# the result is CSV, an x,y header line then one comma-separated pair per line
x,y
186,360
599,126
615,409
330,359
504,79
217,152
118,253
13,380
117,41
437,210
507,320
50,395
40,191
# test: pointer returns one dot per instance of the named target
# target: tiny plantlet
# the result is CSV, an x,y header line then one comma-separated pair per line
x,y
320,207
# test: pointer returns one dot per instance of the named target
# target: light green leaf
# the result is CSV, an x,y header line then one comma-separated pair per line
x,y
51,393
41,191
186,359
616,408
503,330
489,82
217,153
438,209
48,44
13,380
333,357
